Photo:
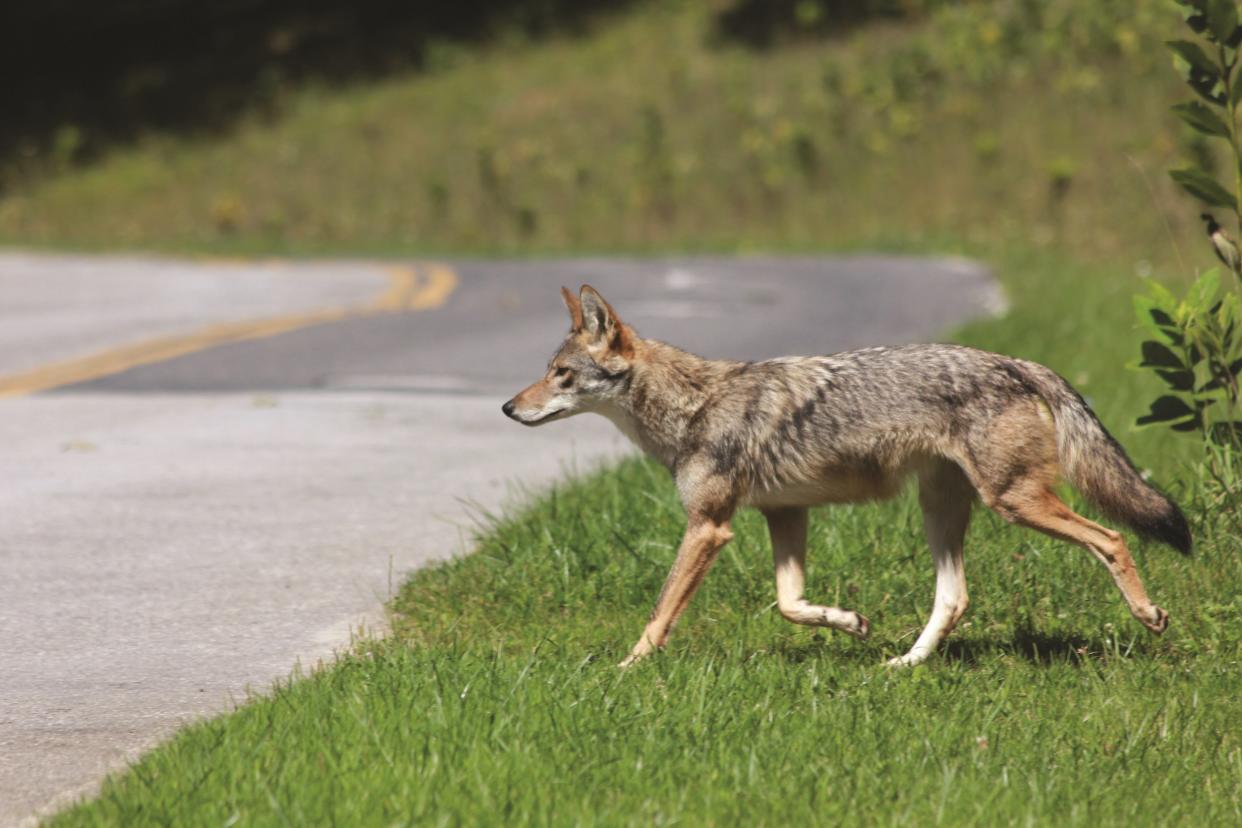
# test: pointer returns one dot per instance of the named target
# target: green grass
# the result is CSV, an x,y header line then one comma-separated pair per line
x,y
1037,143
497,699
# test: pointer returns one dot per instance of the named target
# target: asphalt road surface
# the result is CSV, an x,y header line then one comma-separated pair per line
x,y
214,471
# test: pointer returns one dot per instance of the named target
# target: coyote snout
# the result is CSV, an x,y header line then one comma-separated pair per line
x,y
790,433
532,408
551,398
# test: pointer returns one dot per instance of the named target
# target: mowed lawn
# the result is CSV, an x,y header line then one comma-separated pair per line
x,y
497,699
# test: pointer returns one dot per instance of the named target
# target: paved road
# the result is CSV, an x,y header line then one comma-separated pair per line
x,y
178,532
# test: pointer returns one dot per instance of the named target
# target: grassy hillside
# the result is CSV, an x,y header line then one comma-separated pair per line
x,y
977,125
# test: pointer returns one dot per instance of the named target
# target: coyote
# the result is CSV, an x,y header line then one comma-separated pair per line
x,y
785,434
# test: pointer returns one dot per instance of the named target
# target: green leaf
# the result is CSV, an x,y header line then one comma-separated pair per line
x,y
1199,71
1156,320
1227,327
1167,409
1222,19
1180,380
1202,118
1194,15
1162,295
1227,311
1206,396
1202,293
1203,187
1186,425
1194,57
1166,336
1211,89
1161,318
1156,355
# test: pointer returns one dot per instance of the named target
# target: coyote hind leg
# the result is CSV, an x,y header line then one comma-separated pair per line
x,y
788,530
1033,504
946,497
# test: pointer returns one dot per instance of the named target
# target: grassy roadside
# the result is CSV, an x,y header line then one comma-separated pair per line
x,y
496,699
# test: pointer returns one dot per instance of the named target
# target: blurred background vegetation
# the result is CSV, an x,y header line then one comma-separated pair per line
x,y
524,126
117,69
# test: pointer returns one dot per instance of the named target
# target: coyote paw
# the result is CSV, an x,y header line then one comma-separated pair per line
x,y
636,655
910,659
861,628
1160,621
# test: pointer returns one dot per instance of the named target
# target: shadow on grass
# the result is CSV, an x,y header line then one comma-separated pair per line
x,y
838,647
1030,645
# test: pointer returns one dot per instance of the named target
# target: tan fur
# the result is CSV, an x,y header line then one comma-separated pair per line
x,y
786,434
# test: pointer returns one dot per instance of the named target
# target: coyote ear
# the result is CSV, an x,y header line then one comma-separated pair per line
x,y
575,309
598,317
602,323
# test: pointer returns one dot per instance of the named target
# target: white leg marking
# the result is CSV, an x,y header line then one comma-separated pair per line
x,y
950,596
788,530
946,513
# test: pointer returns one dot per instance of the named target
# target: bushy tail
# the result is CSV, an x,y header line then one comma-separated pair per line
x,y
1097,465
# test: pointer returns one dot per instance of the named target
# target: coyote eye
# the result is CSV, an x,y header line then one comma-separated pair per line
x,y
565,376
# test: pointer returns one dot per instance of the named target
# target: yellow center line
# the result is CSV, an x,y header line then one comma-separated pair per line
x,y
402,282
409,289
440,282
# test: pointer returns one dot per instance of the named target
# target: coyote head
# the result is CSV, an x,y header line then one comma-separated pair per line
x,y
590,370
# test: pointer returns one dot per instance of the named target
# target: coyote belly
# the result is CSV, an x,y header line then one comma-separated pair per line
x,y
785,434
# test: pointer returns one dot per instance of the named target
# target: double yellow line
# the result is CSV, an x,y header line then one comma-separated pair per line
x,y
416,288
412,288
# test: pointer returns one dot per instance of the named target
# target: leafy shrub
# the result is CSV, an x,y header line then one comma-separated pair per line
x,y
1196,350
1196,345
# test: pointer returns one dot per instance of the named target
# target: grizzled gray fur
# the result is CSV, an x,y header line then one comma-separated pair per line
x,y
785,434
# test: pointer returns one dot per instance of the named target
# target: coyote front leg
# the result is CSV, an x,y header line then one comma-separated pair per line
x,y
704,539
788,530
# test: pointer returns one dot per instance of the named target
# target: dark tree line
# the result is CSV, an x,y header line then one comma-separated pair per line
x,y
79,74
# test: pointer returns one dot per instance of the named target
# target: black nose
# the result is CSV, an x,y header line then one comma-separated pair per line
x,y
508,408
